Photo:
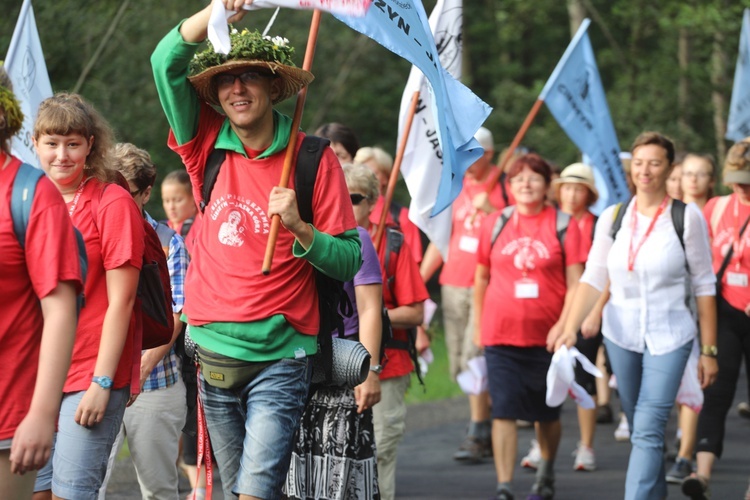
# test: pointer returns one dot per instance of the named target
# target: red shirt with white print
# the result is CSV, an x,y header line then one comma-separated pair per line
x,y
526,255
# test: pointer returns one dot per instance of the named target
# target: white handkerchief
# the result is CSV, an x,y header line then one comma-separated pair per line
x,y
561,378
473,380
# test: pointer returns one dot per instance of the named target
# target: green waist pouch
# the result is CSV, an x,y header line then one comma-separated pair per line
x,y
224,372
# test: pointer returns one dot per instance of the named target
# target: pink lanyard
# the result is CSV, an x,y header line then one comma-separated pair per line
x,y
633,253
77,197
738,242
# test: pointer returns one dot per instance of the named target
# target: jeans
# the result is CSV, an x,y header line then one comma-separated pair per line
x,y
79,457
648,387
252,428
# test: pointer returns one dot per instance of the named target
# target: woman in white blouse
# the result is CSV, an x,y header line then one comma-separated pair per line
x,y
647,326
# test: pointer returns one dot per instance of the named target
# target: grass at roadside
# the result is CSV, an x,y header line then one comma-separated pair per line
x,y
437,383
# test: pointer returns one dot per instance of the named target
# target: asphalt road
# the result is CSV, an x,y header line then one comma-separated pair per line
x,y
426,469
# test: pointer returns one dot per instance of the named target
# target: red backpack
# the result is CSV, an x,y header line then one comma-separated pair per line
x,y
154,299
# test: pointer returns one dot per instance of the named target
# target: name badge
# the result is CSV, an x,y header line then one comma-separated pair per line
x,y
468,244
527,289
632,292
737,279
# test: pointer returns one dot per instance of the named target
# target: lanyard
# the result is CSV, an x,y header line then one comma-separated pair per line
x,y
738,242
77,197
633,252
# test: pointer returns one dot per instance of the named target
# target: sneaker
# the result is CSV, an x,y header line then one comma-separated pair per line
x,y
696,487
622,433
543,489
681,469
585,458
503,495
743,409
604,414
473,450
532,458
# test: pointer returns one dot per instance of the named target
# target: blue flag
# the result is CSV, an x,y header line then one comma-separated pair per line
x,y
738,124
575,97
401,27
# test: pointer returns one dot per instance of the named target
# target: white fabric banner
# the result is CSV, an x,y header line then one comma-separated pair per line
x,y
218,34
423,157
25,65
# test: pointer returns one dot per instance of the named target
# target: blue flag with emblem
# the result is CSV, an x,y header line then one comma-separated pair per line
x,y
738,124
401,27
575,96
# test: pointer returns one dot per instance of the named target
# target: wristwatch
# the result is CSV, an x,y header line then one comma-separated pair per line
x,y
709,350
376,368
104,381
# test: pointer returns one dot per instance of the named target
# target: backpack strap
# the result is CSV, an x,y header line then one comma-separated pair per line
x,y
210,174
678,220
562,221
721,205
505,216
395,211
308,160
21,199
394,240
617,216
165,234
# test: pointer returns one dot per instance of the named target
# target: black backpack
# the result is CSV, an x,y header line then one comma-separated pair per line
x,y
562,221
394,241
678,220
333,302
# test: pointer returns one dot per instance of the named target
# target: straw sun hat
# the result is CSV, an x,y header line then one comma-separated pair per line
x,y
250,49
577,173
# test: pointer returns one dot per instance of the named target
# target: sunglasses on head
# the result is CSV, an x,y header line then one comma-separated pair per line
x,y
250,76
356,198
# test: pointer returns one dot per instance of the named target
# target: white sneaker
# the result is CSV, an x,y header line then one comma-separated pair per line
x,y
622,433
585,458
532,458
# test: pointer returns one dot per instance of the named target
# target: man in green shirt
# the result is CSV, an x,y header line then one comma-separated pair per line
x,y
267,324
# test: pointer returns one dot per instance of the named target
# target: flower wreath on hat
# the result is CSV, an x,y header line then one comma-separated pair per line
x,y
250,49
9,105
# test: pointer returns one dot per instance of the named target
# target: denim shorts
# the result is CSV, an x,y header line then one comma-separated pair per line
x,y
252,427
79,457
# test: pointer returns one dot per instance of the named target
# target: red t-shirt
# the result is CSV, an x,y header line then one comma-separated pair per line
x,y
526,242
224,281
51,256
408,288
727,229
410,230
586,228
459,269
114,240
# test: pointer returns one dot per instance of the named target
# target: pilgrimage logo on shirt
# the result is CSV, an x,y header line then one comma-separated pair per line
x,y
239,217
526,251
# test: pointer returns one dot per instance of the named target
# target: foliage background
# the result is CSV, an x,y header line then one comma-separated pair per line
x,y
665,65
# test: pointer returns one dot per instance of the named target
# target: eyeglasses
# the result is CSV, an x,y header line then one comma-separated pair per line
x,y
228,79
357,198
696,175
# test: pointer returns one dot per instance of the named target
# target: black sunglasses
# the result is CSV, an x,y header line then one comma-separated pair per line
x,y
251,76
356,198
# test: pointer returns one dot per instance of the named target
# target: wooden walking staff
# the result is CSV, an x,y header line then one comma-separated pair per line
x,y
286,172
393,179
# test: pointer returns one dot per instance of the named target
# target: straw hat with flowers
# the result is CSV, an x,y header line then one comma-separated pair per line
x,y
250,49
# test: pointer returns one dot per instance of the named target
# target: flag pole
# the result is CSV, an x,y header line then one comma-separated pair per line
x,y
291,148
514,145
395,171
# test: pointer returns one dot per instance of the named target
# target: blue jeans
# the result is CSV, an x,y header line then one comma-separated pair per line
x,y
79,457
252,428
648,387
